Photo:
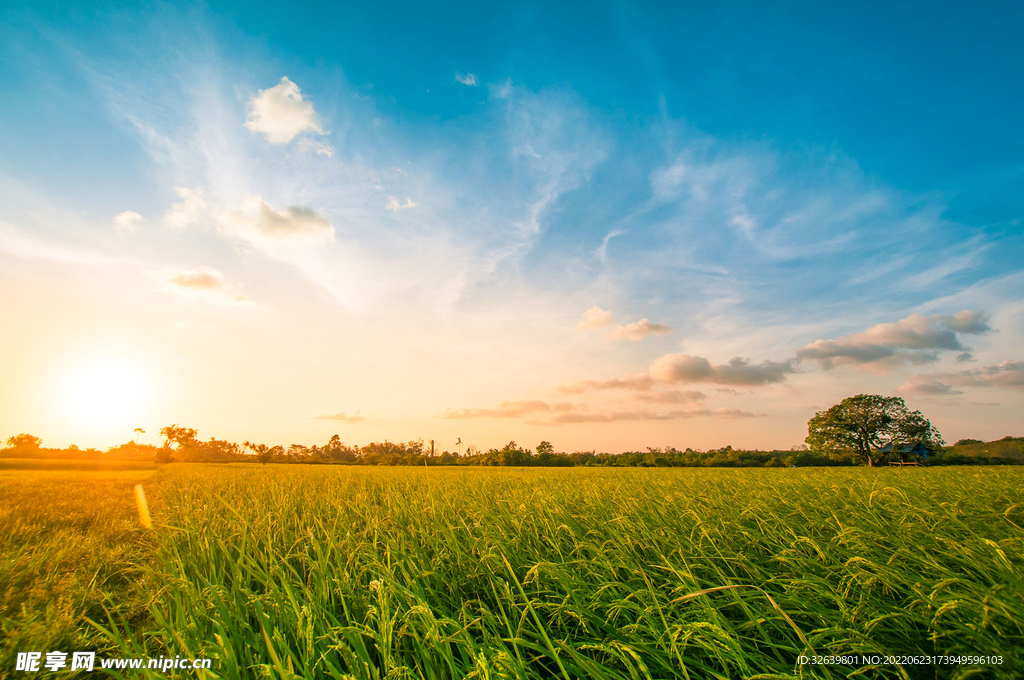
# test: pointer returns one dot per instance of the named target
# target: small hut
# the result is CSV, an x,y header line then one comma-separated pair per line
x,y
910,454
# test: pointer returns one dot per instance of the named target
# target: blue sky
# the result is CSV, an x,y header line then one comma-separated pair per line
x,y
465,184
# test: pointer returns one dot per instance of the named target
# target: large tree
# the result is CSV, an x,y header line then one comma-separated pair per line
x,y
860,426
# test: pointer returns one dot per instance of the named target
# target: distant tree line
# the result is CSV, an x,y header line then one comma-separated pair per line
x,y
182,444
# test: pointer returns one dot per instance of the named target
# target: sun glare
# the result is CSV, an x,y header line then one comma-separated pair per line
x,y
105,394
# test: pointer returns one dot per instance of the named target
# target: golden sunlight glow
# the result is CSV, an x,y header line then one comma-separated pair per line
x,y
105,393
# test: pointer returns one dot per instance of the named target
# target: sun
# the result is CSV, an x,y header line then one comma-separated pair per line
x,y
105,393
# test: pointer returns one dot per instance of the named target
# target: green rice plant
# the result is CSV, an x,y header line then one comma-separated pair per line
x,y
309,572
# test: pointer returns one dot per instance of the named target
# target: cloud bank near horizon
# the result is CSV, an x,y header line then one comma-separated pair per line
x,y
891,344
915,340
342,417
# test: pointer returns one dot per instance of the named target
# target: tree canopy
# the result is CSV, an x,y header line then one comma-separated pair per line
x,y
24,441
859,426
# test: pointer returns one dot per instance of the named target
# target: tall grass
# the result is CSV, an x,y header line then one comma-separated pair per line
x,y
288,571
71,550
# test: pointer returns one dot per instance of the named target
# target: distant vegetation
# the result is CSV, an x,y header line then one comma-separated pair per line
x,y
1005,449
849,433
182,444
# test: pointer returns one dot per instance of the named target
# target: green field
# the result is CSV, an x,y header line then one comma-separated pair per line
x,y
313,571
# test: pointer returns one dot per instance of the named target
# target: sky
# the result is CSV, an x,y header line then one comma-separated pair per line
x,y
610,226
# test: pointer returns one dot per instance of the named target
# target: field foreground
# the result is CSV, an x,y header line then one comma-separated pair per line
x,y
296,571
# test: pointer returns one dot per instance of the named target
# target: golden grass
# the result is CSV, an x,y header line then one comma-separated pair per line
x,y
70,546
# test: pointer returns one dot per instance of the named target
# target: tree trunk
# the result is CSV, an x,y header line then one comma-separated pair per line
x,y
864,449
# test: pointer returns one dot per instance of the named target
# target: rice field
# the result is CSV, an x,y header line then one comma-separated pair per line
x,y
337,572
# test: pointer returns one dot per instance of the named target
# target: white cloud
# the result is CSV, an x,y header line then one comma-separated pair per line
x,y
280,114
395,205
204,283
256,218
593,319
638,330
467,79
124,222
640,381
507,409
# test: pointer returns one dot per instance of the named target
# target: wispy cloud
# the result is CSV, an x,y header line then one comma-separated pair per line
x,y
15,242
672,397
341,418
395,205
920,385
193,208
949,265
602,250
563,413
640,381
711,182
1004,375
204,283
615,416
638,330
508,409
467,79
316,146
